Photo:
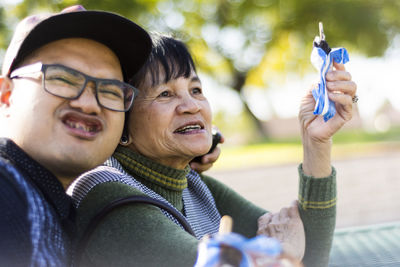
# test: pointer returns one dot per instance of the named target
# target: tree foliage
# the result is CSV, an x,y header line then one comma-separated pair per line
x,y
246,43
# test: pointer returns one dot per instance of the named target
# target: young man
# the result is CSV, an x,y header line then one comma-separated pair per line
x,y
62,97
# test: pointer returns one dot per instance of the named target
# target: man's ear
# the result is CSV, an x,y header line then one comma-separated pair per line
x,y
5,90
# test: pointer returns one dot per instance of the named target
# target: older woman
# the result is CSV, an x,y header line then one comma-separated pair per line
x,y
169,125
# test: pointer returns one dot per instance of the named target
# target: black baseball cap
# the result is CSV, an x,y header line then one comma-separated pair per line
x,y
131,43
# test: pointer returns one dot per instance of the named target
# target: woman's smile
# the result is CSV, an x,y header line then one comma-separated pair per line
x,y
191,128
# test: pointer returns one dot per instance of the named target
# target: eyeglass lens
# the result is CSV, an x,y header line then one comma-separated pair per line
x,y
69,83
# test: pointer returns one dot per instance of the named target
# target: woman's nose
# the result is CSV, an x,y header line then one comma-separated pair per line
x,y
188,104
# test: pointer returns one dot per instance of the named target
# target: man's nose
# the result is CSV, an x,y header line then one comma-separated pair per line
x,y
87,101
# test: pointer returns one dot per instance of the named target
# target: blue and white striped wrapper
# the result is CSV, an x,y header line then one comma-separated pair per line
x,y
210,249
323,63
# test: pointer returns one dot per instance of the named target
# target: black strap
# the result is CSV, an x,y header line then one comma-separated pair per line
x,y
94,222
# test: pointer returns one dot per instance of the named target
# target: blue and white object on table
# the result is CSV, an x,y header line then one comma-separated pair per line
x,y
210,250
322,58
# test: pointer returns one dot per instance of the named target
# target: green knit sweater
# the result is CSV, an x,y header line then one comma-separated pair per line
x,y
140,235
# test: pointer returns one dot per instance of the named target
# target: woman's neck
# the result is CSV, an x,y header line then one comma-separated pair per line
x,y
164,180
175,162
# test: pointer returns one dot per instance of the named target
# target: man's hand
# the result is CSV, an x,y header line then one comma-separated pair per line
x,y
207,160
287,227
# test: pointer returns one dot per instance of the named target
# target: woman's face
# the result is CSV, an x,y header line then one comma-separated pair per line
x,y
170,123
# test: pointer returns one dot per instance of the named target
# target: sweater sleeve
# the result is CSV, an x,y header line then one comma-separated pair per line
x,y
317,206
244,213
133,235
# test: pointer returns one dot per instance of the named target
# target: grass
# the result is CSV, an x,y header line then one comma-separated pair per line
x,y
347,144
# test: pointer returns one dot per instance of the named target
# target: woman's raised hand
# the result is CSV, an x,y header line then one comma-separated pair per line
x,y
316,133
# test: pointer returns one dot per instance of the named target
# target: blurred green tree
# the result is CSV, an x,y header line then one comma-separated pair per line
x,y
248,43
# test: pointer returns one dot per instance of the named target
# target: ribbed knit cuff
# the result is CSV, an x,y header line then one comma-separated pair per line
x,y
317,193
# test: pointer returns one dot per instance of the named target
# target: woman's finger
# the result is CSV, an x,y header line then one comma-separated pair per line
x,y
338,66
338,75
293,210
263,222
345,87
273,231
275,218
344,100
283,215
265,219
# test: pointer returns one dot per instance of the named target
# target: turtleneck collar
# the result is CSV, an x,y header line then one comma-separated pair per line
x,y
150,171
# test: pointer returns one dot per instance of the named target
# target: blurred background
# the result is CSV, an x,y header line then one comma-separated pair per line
x,y
253,58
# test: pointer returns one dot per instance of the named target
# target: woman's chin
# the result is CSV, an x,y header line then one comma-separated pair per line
x,y
196,150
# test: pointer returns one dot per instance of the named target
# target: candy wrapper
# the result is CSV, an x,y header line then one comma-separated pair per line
x,y
234,250
322,57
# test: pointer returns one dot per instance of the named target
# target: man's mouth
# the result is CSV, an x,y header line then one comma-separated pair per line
x,y
189,128
82,126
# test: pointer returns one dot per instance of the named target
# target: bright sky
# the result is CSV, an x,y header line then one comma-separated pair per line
x,y
10,2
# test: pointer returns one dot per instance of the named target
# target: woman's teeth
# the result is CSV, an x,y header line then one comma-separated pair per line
x,y
188,128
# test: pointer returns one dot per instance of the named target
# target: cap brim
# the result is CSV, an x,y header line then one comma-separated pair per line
x,y
127,40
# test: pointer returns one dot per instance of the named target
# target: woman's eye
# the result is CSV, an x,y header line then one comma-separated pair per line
x,y
197,91
164,94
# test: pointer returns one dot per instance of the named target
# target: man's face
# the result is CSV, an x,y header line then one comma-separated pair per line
x,y
56,132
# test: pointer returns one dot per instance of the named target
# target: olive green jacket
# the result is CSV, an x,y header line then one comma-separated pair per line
x,y
140,235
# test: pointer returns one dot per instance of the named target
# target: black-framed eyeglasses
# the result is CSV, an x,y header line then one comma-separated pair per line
x,y
69,83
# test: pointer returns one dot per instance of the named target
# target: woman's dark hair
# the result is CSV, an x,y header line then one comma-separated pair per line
x,y
169,59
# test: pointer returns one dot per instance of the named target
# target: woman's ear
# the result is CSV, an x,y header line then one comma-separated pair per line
x,y
126,139
5,91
